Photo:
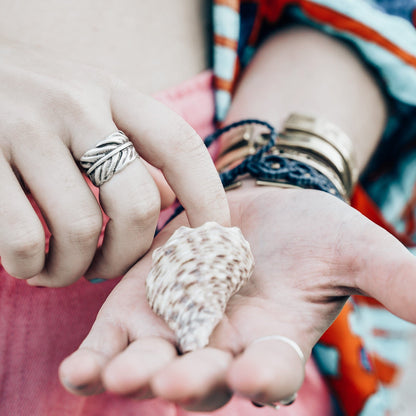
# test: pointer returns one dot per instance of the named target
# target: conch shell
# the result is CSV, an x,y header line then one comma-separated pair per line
x,y
193,276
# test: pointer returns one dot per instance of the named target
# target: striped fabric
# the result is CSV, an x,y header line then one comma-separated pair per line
x,y
362,352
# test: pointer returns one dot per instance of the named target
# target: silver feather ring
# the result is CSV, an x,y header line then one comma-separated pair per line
x,y
108,157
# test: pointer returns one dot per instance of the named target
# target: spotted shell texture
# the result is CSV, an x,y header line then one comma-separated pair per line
x,y
193,276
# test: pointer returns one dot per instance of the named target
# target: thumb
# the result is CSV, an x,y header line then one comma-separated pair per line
x,y
387,271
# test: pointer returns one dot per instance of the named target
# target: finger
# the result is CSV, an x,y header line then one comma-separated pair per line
x,y
195,380
22,239
125,317
268,371
129,373
387,270
131,200
69,207
80,373
167,142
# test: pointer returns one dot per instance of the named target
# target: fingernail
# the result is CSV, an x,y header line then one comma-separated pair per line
x,y
84,389
290,400
272,405
97,280
73,386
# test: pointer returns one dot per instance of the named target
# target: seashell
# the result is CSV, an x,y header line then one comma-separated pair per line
x,y
193,276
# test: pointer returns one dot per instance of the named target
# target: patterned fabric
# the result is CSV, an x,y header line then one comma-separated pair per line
x,y
362,352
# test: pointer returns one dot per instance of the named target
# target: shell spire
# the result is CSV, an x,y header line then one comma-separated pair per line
x,y
193,276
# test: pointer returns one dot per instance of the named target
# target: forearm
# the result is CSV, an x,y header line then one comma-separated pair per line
x,y
302,70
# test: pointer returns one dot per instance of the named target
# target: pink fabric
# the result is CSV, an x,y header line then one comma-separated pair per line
x,y
39,327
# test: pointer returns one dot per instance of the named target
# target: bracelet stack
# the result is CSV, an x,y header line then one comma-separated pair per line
x,y
308,153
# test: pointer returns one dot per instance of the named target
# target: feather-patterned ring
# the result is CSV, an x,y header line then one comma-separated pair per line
x,y
108,157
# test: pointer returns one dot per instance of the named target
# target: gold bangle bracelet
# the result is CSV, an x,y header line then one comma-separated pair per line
x,y
318,164
320,149
330,133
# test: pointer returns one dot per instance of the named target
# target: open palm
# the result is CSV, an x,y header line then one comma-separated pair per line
x,y
311,252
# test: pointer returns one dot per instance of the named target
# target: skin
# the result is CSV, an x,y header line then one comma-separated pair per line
x,y
114,36
311,251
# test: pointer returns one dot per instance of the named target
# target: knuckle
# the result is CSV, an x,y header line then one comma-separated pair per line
x,y
75,104
22,133
19,127
144,209
70,101
26,244
17,271
192,144
184,140
85,229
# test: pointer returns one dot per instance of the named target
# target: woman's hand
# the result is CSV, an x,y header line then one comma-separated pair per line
x,y
53,111
311,252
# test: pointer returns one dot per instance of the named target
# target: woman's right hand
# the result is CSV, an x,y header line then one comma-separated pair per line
x,y
53,111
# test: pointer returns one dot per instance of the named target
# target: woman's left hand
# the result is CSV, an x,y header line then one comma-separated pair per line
x,y
311,252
